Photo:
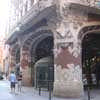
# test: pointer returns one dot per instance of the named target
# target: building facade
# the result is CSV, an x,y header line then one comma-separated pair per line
x,y
54,28
2,42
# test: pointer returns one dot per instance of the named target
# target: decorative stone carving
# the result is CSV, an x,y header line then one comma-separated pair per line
x,y
74,49
64,30
64,8
91,3
57,52
44,3
70,73
68,37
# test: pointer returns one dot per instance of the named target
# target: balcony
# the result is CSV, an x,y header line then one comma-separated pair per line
x,y
91,3
35,9
42,4
31,14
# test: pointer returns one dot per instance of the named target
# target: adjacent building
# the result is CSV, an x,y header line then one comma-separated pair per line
x,y
2,42
52,29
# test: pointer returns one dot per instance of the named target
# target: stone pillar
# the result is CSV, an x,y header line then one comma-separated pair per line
x,y
26,70
68,72
12,59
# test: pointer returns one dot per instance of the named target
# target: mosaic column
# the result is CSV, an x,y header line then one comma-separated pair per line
x,y
26,70
68,72
67,56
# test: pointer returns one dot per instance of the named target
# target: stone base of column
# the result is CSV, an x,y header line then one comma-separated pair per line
x,y
26,80
69,89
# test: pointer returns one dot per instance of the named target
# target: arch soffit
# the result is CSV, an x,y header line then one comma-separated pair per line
x,y
38,40
33,37
14,48
88,28
36,31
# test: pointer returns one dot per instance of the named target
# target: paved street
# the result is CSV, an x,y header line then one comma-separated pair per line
x,y
31,94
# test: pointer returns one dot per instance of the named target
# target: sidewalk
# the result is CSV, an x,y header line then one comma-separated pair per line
x,y
34,94
94,95
29,93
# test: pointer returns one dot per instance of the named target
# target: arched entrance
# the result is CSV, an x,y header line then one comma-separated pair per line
x,y
43,62
37,45
90,39
90,56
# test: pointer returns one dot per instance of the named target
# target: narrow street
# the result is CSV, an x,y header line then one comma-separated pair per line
x,y
28,93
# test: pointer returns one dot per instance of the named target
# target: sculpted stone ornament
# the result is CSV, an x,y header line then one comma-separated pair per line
x,y
64,9
61,30
44,3
66,12
66,37
64,31
91,3
74,49
57,52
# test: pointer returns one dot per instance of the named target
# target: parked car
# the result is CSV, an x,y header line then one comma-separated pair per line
x,y
1,76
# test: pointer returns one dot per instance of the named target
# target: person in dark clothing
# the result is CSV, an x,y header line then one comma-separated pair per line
x,y
19,82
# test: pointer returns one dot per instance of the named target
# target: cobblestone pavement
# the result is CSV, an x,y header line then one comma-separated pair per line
x,y
29,93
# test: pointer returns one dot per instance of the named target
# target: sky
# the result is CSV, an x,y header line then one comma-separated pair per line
x,y
4,15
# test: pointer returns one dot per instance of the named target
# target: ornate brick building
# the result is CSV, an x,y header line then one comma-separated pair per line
x,y
61,24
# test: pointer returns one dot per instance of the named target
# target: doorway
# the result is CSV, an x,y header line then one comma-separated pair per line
x,y
43,66
90,59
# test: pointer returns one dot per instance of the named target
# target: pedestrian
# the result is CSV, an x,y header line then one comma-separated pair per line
x,y
6,74
19,82
12,79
